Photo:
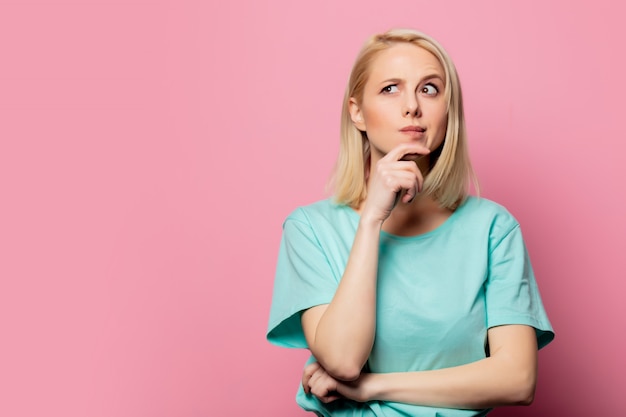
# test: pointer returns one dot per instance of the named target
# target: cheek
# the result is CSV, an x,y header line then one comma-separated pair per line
x,y
374,117
370,121
443,127
444,123
440,114
441,123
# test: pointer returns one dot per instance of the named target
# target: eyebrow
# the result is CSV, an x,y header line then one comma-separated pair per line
x,y
399,80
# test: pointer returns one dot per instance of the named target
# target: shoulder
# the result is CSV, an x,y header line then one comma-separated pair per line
x,y
325,222
321,213
481,205
489,215
487,209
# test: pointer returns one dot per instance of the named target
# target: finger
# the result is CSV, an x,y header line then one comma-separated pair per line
x,y
411,185
305,385
320,390
325,395
413,157
329,399
401,165
311,381
404,149
414,170
314,381
409,195
402,181
323,386
307,373
415,176
386,168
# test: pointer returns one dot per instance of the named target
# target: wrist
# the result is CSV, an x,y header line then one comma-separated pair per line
x,y
371,387
370,223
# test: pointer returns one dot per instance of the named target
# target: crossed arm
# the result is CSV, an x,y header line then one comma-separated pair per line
x,y
340,336
507,377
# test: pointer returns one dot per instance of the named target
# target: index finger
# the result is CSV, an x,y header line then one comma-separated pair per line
x,y
405,149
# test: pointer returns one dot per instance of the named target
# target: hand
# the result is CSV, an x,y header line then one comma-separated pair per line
x,y
316,381
394,178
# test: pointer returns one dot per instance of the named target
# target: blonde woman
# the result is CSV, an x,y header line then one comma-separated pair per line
x,y
414,298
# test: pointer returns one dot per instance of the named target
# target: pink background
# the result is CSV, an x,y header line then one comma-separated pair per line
x,y
150,150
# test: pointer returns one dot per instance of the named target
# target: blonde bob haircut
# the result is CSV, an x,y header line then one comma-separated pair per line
x,y
451,173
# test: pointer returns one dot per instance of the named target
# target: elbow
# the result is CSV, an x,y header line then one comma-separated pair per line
x,y
523,392
528,401
523,397
527,394
340,367
343,371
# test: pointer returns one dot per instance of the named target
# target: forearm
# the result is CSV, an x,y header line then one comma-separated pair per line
x,y
478,385
344,334
508,377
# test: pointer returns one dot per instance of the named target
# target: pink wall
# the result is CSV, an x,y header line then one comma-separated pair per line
x,y
149,151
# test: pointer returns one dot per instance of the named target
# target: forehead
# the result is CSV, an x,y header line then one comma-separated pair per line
x,y
405,61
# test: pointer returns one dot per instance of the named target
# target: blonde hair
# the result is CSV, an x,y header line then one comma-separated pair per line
x,y
451,171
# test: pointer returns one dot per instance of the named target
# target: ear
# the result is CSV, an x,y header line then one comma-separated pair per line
x,y
356,114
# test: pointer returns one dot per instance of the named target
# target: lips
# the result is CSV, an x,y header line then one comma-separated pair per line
x,y
417,129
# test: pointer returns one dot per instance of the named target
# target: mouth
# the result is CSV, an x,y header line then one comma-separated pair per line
x,y
414,132
413,129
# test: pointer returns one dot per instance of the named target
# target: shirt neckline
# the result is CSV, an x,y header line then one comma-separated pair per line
x,y
439,229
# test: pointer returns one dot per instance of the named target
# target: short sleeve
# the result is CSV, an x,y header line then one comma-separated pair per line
x,y
512,295
303,279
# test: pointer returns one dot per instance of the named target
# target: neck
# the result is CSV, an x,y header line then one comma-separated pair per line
x,y
420,216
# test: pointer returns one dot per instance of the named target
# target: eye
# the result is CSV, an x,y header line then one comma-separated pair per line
x,y
393,88
430,90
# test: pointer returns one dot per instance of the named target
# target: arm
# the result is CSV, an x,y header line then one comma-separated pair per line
x,y
341,334
507,377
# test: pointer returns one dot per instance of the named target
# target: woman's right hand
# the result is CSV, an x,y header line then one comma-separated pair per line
x,y
395,177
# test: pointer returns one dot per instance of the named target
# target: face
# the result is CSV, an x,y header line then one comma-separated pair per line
x,y
403,100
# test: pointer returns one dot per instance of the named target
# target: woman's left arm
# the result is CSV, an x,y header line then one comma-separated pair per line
x,y
507,377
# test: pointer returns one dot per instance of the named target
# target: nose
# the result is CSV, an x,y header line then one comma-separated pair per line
x,y
411,106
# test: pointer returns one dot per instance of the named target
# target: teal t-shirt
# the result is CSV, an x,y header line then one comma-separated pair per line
x,y
437,294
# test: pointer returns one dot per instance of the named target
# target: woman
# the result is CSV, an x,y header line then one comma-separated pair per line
x,y
414,298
